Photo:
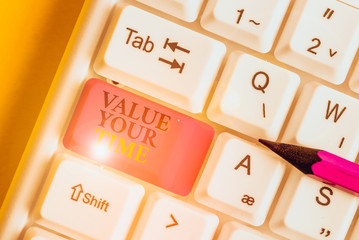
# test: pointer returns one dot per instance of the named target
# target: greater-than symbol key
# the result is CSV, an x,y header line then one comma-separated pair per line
x,y
175,223
165,217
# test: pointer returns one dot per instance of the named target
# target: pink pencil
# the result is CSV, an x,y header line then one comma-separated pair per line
x,y
323,164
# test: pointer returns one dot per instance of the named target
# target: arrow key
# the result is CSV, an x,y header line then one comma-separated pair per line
x,y
164,217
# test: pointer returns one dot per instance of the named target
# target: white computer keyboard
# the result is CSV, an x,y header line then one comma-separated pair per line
x,y
150,128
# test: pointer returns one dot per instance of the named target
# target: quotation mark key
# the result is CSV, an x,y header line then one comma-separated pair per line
x,y
328,11
324,231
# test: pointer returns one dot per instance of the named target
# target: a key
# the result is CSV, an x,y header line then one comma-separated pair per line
x,y
165,218
321,37
234,231
252,23
311,210
82,200
36,233
253,96
139,137
186,10
167,61
354,79
325,119
240,179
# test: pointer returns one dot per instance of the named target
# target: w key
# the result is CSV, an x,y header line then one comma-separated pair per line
x,y
325,119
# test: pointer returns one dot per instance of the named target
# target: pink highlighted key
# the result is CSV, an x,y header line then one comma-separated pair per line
x,y
138,137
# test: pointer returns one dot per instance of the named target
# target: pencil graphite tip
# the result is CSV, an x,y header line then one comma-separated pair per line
x,y
301,157
267,143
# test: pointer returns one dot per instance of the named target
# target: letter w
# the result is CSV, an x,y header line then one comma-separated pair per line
x,y
335,110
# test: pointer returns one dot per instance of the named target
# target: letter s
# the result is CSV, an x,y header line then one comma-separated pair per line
x,y
321,191
87,197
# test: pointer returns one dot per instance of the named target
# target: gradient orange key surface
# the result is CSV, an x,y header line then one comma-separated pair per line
x,y
138,137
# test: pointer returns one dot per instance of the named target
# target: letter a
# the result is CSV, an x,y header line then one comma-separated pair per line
x,y
247,165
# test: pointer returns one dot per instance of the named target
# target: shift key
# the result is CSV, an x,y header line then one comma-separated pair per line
x,y
159,58
138,137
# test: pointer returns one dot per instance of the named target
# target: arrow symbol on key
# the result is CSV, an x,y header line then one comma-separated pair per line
x,y
174,45
174,64
77,192
174,222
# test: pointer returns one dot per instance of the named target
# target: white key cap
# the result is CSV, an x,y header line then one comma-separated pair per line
x,y
353,3
253,96
166,60
165,218
354,79
240,179
235,231
321,37
186,10
253,23
84,200
36,233
309,209
325,119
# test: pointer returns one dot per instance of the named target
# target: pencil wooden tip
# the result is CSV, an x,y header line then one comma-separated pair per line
x,y
300,157
268,143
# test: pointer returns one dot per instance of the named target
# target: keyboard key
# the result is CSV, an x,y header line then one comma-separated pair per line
x,y
355,234
234,231
321,37
240,179
186,10
36,233
353,3
165,218
253,96
354,79
83,200
325,119
187,61
252,23
139,137
309,209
